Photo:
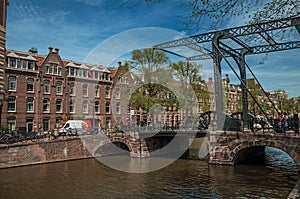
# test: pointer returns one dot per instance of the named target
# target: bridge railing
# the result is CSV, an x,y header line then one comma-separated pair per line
x,y
234,122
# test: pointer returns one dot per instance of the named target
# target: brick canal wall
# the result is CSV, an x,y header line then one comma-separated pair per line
x,y
21,154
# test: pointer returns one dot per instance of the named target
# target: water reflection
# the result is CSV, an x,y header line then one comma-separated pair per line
x,y
182,179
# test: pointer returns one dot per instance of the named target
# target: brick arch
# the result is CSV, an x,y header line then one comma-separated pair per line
x,y
290,150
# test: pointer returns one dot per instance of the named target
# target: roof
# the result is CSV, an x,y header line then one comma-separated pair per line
x,y
38,58
67,63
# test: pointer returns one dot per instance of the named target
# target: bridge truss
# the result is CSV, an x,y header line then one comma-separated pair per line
x,y
264,37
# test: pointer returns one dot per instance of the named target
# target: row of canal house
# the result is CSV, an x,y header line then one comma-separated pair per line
x,y
41,91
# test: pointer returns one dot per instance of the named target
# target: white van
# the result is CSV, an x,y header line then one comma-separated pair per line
x,y
73,127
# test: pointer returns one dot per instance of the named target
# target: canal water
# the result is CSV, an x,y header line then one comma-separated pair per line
x,y
89,178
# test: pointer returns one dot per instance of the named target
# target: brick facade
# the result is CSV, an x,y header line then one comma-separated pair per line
x,y
3,5
43,90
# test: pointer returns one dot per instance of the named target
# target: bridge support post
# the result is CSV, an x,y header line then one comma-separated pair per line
x,y
217,58
241,64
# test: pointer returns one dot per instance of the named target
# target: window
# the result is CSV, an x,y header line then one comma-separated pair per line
x,y
97,107
107,92
46,86
85,107
30,65
117,93
49,70
29,125
58,88
46,124
29,105
96,75
107,107
24,64
106,76
55,69
85,90
59,71
11,123
30,85
97,91
84,73
72,89
72,71
59,106
72,106
19,64
46,105
12,62
80,72
52,69
12,83
118,108
11,104
123,80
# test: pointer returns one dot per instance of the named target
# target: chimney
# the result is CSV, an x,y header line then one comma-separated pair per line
x,y
50,49
33,51
227,79
119,64
56,50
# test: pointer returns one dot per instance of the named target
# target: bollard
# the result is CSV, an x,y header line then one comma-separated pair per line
x,y
296,122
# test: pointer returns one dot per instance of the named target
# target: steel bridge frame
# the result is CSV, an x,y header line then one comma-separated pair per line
x,y
238,36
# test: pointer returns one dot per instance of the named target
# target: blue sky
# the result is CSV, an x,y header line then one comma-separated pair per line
x,y
78,27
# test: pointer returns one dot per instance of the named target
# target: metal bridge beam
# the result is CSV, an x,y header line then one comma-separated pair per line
x,y
235,32
217,58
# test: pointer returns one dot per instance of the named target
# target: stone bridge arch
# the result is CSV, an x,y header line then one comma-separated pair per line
x,y
137,146
231,148
290,150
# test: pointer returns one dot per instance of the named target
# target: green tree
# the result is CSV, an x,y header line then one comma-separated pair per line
x,y
148,60
188,73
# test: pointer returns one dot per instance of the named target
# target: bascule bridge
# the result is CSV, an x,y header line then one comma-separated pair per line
x,y
232,145
225,139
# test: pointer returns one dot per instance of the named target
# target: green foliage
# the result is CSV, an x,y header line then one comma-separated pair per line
x,y
148,60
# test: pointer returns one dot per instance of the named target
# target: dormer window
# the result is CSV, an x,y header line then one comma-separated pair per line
x,y
53,69
80,72
84,73
19,63
12,62
72,71
96,75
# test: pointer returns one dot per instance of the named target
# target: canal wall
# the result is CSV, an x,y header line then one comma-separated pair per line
x,y
21,154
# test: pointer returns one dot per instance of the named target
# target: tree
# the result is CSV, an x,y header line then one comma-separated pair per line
x,y
148,60
188,73
218,12
148,65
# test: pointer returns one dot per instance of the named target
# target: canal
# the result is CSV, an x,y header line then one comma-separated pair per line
x,y
88,178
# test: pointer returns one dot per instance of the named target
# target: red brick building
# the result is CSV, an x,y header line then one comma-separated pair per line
x,y
3,5
41,91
